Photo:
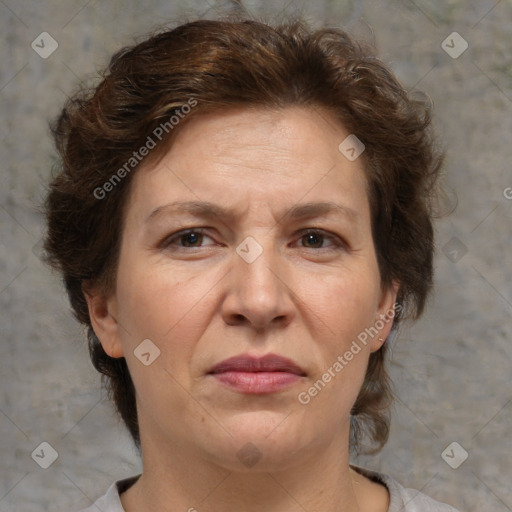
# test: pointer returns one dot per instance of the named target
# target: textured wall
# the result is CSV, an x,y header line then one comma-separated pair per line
x,y
452,369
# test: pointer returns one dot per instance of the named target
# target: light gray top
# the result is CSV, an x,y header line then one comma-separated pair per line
x,y
401,499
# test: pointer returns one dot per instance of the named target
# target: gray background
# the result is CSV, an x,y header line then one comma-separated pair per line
x,y
451,369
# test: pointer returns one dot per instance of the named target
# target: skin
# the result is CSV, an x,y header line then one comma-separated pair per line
x,y
199,302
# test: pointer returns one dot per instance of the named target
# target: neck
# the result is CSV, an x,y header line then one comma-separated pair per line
x,y
179,479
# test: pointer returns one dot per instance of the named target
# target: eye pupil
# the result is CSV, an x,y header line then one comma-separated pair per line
x,y
314,239
191,239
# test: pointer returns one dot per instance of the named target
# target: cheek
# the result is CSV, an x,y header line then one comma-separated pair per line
x,y
169,309
347,306
168,306
347,302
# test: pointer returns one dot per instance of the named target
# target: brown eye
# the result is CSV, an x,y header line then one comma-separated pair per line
x,y
315,239
192,239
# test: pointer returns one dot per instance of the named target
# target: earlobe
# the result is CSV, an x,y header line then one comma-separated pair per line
x,y
103,315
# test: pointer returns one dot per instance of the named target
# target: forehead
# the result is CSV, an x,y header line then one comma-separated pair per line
x,y
254,156
299,138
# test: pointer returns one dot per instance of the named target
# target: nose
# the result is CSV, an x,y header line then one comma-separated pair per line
x,y
258,293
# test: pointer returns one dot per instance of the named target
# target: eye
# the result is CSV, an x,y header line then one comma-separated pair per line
x,y
191,238
315,238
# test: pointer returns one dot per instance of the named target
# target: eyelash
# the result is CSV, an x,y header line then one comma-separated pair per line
x,y
337,243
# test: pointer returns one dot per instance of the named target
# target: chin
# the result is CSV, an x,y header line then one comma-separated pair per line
x,y
261,441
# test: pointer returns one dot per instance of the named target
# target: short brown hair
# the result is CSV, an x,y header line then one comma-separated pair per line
x,y
243,63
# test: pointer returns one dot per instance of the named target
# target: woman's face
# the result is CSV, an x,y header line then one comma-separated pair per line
x,y
251,237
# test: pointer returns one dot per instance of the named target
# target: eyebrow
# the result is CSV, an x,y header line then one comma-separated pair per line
x,y
208,210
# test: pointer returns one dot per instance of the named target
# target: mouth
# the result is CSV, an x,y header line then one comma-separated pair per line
x,y
257,375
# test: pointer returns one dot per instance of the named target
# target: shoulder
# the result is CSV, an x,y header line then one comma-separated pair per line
x,y
404,499
111,501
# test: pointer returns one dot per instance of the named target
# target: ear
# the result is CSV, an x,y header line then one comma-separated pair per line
x,y
103,315
385,315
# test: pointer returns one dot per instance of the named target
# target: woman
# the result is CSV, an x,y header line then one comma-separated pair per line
x,y
242,217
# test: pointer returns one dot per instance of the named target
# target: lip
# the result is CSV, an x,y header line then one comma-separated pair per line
x,y
257,375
